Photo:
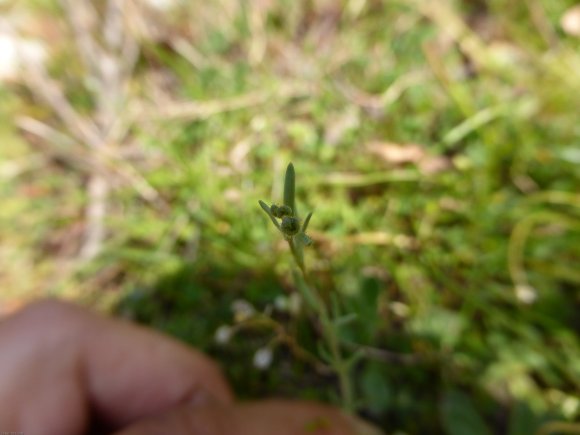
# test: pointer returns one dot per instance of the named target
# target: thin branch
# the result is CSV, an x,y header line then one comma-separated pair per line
x,y
205,109
384,355
97,191
105,161
62,145
83,20
48,90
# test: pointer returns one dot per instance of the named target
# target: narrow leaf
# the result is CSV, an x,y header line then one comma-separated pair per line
x,y
289,188
306,222
346,319
325,355
352,360
265,207
269,213
335,308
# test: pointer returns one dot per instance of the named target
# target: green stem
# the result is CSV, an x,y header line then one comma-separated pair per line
x,y
339,363
297,258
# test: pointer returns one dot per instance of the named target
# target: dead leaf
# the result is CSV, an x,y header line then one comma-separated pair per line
x,y
341,124
397,153
570,21
434,164
239,153
382,238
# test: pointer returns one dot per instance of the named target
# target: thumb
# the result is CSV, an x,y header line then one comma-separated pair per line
x,y
252,418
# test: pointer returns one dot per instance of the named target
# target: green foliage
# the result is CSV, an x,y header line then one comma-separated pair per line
x,y
375,389
522,420
459,416
438,147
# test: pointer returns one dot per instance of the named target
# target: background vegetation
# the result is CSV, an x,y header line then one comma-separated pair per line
x,y
437,142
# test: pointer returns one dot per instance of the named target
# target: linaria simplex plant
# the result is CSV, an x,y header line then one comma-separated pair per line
x,y
285,218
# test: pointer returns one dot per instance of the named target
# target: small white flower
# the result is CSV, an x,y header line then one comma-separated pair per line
x,y
295,304
570,406
258,123
526,294
570,21
281,303
243,310
400,309
263,358
223,334
289,304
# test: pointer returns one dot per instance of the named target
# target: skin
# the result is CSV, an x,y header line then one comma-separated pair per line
x,y
66,370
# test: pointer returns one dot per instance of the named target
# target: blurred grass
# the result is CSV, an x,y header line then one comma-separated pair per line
x,y
459,257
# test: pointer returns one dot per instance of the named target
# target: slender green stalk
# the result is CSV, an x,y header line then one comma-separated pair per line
x,y
297,240
299,259
338,363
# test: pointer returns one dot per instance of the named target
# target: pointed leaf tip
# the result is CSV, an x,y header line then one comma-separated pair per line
x,y
268,211
264,206
290,187
306,222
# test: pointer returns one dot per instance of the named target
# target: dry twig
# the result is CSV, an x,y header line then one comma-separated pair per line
x,y
108,52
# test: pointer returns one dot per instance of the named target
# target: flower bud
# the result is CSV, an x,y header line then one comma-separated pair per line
x,y
279,211
275,210
290,225
285,211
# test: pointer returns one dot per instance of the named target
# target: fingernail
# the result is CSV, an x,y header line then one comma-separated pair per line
x,y
362,427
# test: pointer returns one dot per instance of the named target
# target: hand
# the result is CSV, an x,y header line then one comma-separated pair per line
x,y
66,370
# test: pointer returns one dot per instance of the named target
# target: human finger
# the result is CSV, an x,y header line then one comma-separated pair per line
x,y
278,417
61,360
